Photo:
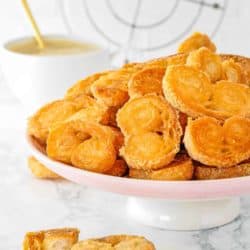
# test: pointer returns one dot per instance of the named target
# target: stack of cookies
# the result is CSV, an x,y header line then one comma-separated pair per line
x,y
180,117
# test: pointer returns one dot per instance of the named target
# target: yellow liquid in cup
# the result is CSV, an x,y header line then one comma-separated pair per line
x,y
53,46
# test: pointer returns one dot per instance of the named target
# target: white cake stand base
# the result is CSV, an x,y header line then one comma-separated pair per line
x,y
183,214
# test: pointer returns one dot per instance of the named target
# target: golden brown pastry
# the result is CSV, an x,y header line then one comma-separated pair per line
x,y
115,242
214,144
141,110
82,101
83,86
230,99
54,239
152,132
196,41
206,61
45,117
233,72
112,88
146,113
244,63
91,110
149,150
179,169
92,245
146,81
177,59
191,91
85,145
203,172
40,171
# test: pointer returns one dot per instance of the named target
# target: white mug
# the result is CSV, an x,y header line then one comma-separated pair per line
x,y
38,79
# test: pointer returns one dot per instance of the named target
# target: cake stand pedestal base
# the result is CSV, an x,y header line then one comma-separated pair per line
x,y
183,214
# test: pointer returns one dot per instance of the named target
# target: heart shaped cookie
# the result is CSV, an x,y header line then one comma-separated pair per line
x,y
86,145
215,144
191,91
152,132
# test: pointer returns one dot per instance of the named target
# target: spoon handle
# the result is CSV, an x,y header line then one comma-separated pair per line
x,y
38,35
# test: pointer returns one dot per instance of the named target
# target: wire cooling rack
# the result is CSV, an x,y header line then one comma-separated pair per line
x,y
146,25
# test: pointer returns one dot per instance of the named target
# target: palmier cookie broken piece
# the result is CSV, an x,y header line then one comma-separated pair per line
x,y
56,239
40,171
203,172
215,144
181,168
196,41
115,242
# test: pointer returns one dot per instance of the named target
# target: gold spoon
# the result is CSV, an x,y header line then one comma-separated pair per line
x,y
36,30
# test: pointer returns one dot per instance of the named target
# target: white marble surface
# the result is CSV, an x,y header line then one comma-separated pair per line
x,y
30,204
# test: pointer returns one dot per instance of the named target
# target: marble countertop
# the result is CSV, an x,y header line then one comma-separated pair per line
x,y
30,204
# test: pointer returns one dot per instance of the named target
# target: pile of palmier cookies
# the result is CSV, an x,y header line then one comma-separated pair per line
x,y
181,117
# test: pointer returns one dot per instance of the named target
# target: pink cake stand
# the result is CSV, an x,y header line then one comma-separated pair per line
x,y
173,205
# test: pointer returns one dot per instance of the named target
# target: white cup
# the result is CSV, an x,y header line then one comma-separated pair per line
x,y
38,79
